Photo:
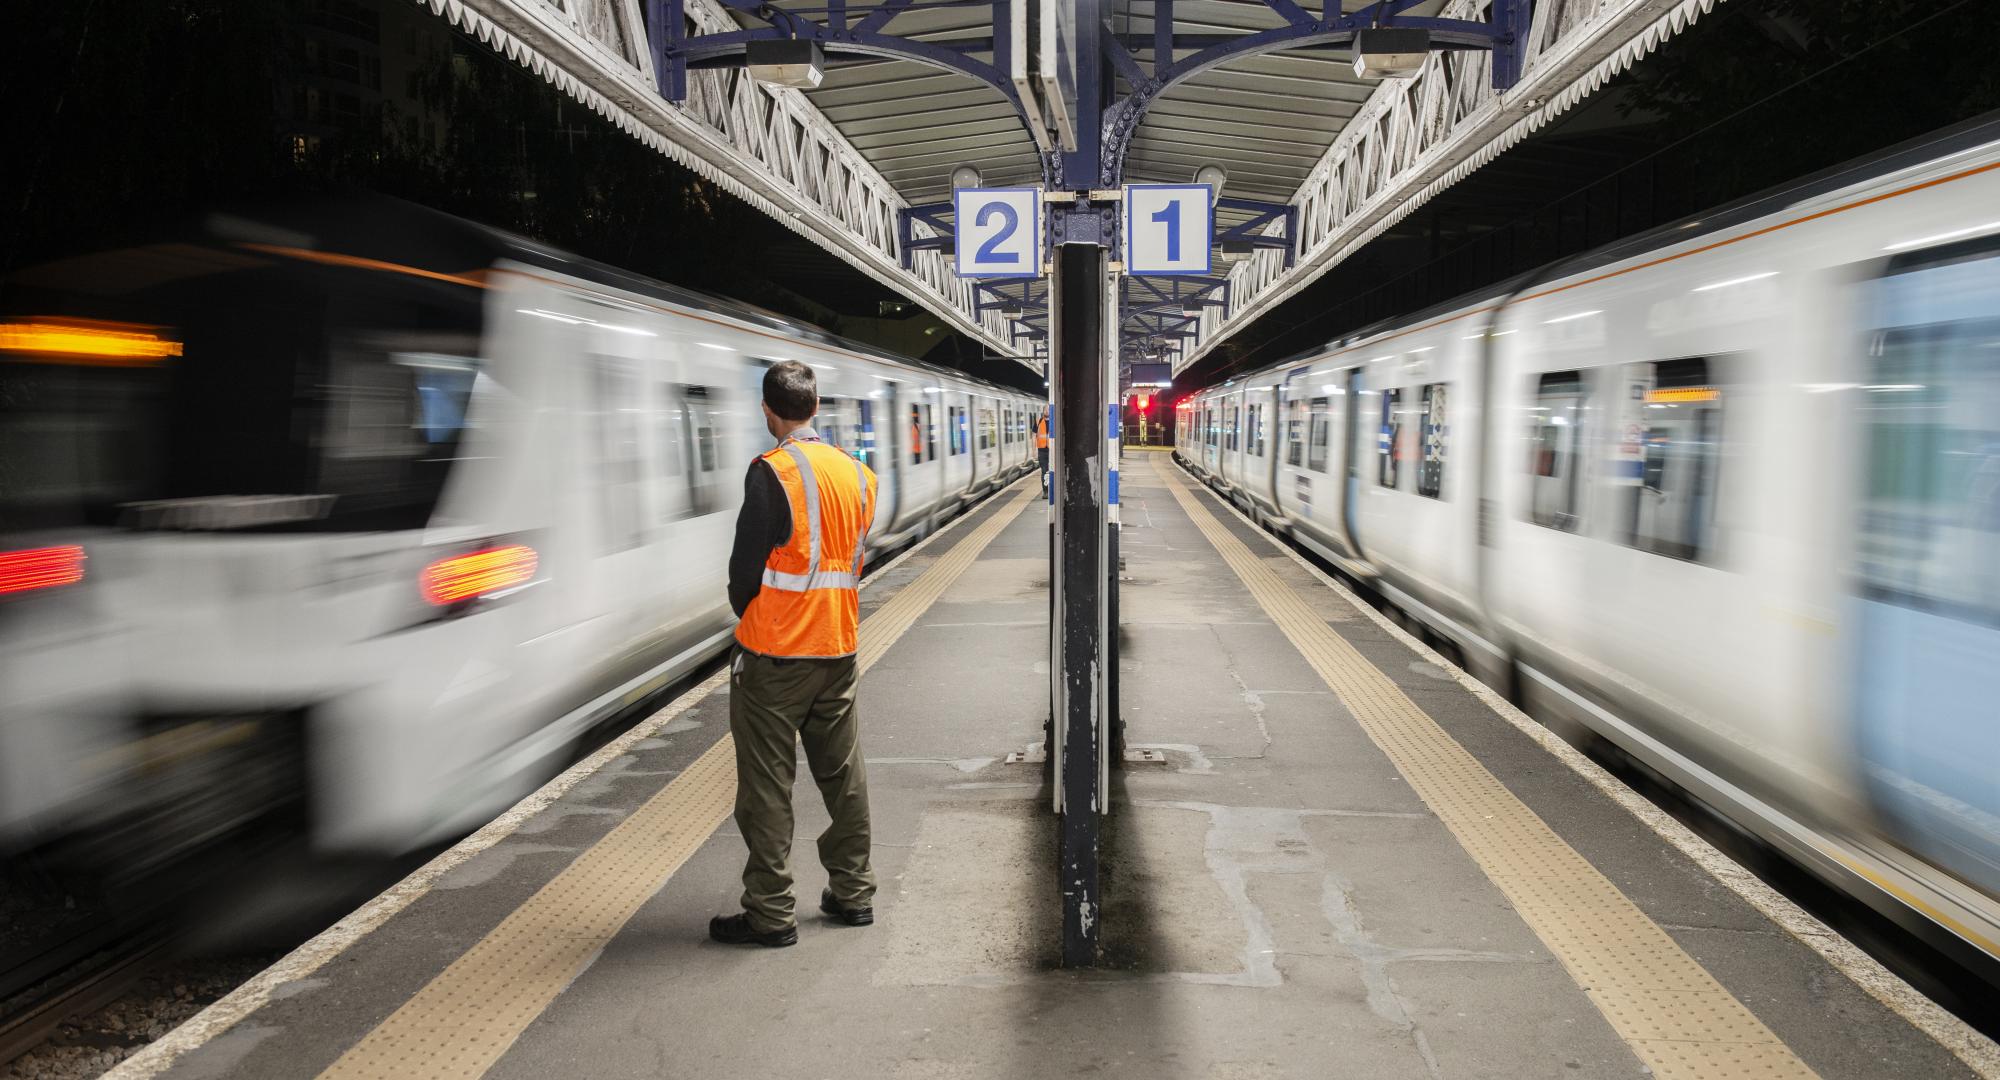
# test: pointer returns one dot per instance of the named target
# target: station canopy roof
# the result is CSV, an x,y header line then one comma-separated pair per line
x,y
1267,119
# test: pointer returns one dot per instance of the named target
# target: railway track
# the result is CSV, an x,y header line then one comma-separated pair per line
x,y
66,980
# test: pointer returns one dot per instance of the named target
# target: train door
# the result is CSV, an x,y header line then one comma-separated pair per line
x,y
1211,453
1225,464
1928,561
886,450
624,588
986,436
923,462
1351,458
962,471
702,441
1292,488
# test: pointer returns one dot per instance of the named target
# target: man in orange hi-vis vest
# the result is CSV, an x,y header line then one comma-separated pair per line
x,y
794,580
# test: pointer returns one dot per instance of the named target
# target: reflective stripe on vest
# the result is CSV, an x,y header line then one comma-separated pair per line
x,y
814,577
808,605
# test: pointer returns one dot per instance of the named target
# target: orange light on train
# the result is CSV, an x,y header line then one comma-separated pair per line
x,y
480,573
86,341
40,568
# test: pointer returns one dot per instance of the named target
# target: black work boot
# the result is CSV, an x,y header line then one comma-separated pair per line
x,y
736,930
852,916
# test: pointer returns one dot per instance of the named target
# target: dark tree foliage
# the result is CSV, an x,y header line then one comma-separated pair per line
x,y
1769,90
124,113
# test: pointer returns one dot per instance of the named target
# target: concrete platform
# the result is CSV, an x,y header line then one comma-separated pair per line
x,y
1281,901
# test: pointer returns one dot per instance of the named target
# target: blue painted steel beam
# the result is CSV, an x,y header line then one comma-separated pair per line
x,y
674,53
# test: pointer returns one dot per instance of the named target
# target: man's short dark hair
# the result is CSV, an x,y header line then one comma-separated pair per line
x,y
791,391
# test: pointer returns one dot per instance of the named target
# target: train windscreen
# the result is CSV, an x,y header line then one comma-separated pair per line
x,y
180,387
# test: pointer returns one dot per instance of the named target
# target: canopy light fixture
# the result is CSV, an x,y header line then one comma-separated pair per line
x,y
965,176
1235,251
1390,52
1012,309
794,62
1215,176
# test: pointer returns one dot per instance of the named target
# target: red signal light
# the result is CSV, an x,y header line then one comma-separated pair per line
x,y
40,568
479,573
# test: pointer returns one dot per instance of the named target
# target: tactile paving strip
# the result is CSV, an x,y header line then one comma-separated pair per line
x,y
460,1023
1667,1007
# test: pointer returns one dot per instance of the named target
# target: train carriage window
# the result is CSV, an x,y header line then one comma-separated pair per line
x,y
986,429
1555,430
916,434
365,395
930,433
1255,439
827,422
1389,441
1295,436
1322,425
1435,433
1668,453
1931,514
1229,427
703,436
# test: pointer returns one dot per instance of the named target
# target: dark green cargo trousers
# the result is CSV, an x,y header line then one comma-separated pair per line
x,y
774,705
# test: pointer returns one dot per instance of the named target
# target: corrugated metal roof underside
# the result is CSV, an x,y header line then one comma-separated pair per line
x,y
915,122
1267,119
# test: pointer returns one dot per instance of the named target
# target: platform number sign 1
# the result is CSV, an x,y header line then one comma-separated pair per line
x,y
999,231
1169,228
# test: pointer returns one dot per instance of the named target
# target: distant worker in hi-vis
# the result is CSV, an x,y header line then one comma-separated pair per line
x,y
1042,447
794,580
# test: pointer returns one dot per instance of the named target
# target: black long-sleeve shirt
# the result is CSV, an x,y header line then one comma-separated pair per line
x,y
764,523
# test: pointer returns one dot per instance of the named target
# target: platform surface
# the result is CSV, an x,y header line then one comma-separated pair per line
x,y
1313,884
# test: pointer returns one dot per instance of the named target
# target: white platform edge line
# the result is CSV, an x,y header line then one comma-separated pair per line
x,y
163,1053
1975,1050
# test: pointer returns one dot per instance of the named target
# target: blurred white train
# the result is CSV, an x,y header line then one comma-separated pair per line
x,y
372,512
1727,495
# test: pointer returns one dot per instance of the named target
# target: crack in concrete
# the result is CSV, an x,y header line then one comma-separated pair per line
x,y
1250,697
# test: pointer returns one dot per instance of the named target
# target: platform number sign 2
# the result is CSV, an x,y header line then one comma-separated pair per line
x,y
999,231
1169,228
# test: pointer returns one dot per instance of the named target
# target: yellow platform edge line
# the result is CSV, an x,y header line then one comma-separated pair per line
x,y
1674,1015
470,1014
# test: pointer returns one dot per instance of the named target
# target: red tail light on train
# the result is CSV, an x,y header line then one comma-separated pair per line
x,y
34,569
460,578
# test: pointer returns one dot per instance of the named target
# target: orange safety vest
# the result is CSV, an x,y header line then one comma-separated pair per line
x,y
1042,433
810,604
